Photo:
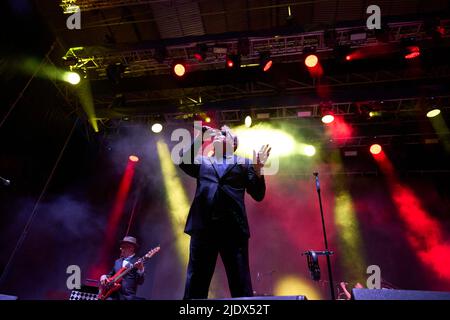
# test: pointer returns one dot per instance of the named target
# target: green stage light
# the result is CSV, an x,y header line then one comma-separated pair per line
x,y
72,78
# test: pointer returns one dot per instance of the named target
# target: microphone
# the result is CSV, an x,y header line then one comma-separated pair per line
x,y
316,174
5,182
212,131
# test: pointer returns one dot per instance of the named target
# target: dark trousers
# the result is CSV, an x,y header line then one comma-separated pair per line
x,y
203,253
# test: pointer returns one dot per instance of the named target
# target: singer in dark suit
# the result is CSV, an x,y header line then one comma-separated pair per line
x,y
217,220
133,278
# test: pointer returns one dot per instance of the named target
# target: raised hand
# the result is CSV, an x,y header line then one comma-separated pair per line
x,y
260,158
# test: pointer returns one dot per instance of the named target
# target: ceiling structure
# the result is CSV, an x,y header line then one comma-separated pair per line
x,y
145,38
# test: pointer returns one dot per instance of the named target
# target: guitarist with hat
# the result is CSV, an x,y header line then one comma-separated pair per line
x,y
132,279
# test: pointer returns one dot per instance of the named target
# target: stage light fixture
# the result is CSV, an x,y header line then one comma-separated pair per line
x,y
412,52
368,110
375,149
157,127
327,119
248,121
311,61
410,48
179,69
433,112
343,53
72,78
327,112
309,150
233,61
265,62
200,52
133,158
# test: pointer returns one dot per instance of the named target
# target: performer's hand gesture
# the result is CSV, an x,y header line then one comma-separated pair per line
x,y
260,158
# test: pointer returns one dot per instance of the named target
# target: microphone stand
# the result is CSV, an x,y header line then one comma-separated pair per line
x,y
330,276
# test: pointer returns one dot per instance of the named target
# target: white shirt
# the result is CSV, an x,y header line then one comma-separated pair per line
x,y
126,263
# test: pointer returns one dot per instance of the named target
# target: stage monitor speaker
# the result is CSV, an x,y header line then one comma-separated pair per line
x,y
269,298
390,294
8,297
85,293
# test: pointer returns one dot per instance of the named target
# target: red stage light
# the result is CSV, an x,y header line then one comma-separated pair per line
x,y
200,52
133,158
179,69
375,149
267,66
198,57
413,52
115,217
311,61
423,231
328,118
265,62
233,61
348,57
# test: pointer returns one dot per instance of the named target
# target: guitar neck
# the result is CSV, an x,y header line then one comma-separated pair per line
x,y
124,273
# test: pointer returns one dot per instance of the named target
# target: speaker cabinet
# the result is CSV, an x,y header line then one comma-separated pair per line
x,y
389,294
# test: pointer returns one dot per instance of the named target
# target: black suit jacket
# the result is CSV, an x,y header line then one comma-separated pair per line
x,y
130,281
224,192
